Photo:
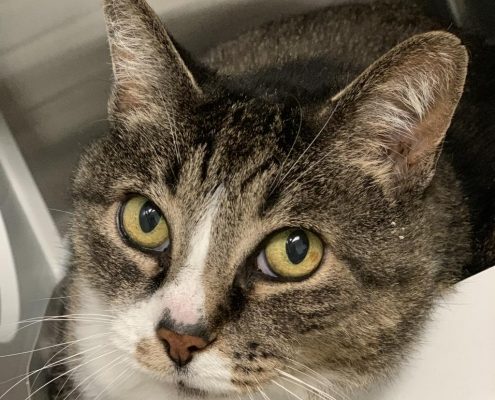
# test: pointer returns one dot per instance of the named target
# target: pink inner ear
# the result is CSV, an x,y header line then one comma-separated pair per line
x,y
428,133
128,95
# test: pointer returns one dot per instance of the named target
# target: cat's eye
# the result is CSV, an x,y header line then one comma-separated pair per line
x,y
291,254
143,224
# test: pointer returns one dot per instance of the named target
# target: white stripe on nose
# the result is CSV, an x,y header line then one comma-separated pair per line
x,y
185,296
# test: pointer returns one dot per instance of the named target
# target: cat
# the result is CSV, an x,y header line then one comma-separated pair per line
x,y
286,207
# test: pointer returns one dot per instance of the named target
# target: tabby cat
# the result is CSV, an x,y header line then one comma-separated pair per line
x,y
279,210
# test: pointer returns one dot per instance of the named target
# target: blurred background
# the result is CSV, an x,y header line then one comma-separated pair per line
x,y
55,72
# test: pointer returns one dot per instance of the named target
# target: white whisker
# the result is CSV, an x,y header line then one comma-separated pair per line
x,y
113,381
310,145
293,143
55,345
324,381
260,389
67,372
94,374
287,390
94,321
61,211
321,395
24,377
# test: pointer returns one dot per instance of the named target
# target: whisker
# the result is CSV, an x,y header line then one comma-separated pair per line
x,y
51,298
81,319
26,375
50,318
310,144
67,379
307,385
324,380
65,373
49,366
287,390
327,385
48,362
293,143
69,376
94,374
304,172
68,344
61,211
308,368
319,395
114,381
106,316
55,345
260,389
250,393
45,365
99,321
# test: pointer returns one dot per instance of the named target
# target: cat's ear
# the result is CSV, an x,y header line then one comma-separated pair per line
x,y
150,75
396,113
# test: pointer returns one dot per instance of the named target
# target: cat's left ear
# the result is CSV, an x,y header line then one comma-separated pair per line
x,y
150,76
395,115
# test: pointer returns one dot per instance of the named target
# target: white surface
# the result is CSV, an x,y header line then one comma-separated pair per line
x,y
29,199
30,251
9,289
456,356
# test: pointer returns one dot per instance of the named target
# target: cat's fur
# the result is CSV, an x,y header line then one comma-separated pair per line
x,y
289,131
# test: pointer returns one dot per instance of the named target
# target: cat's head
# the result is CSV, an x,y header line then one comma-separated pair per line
x,y
235,240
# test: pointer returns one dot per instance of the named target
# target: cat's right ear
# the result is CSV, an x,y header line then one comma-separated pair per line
x,y
394,116
150,77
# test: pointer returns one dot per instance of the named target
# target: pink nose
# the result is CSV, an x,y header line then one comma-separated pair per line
x,y
180,348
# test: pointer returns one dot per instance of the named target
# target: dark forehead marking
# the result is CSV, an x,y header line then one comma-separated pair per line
x,y
219,127
172,174
207,141
272,198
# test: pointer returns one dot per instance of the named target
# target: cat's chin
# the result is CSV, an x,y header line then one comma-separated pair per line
x,y
196,385
188,392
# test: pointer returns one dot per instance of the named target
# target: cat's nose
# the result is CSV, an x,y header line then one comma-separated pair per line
x,y
180,348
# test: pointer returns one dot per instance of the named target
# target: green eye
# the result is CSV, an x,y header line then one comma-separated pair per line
x,y
143,224
291,254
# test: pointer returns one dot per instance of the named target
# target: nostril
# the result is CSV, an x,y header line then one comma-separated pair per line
x,y
165,343
179,347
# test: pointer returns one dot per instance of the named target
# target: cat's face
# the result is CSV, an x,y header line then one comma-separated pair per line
x,y
236,240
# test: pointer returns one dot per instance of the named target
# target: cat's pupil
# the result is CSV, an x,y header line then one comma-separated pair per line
x,y
149,217
297,246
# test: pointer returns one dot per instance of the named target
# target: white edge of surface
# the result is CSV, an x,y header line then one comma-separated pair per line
x,y
455,356
30,200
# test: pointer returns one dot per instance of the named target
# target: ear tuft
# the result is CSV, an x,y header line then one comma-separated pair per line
x,y
400,108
